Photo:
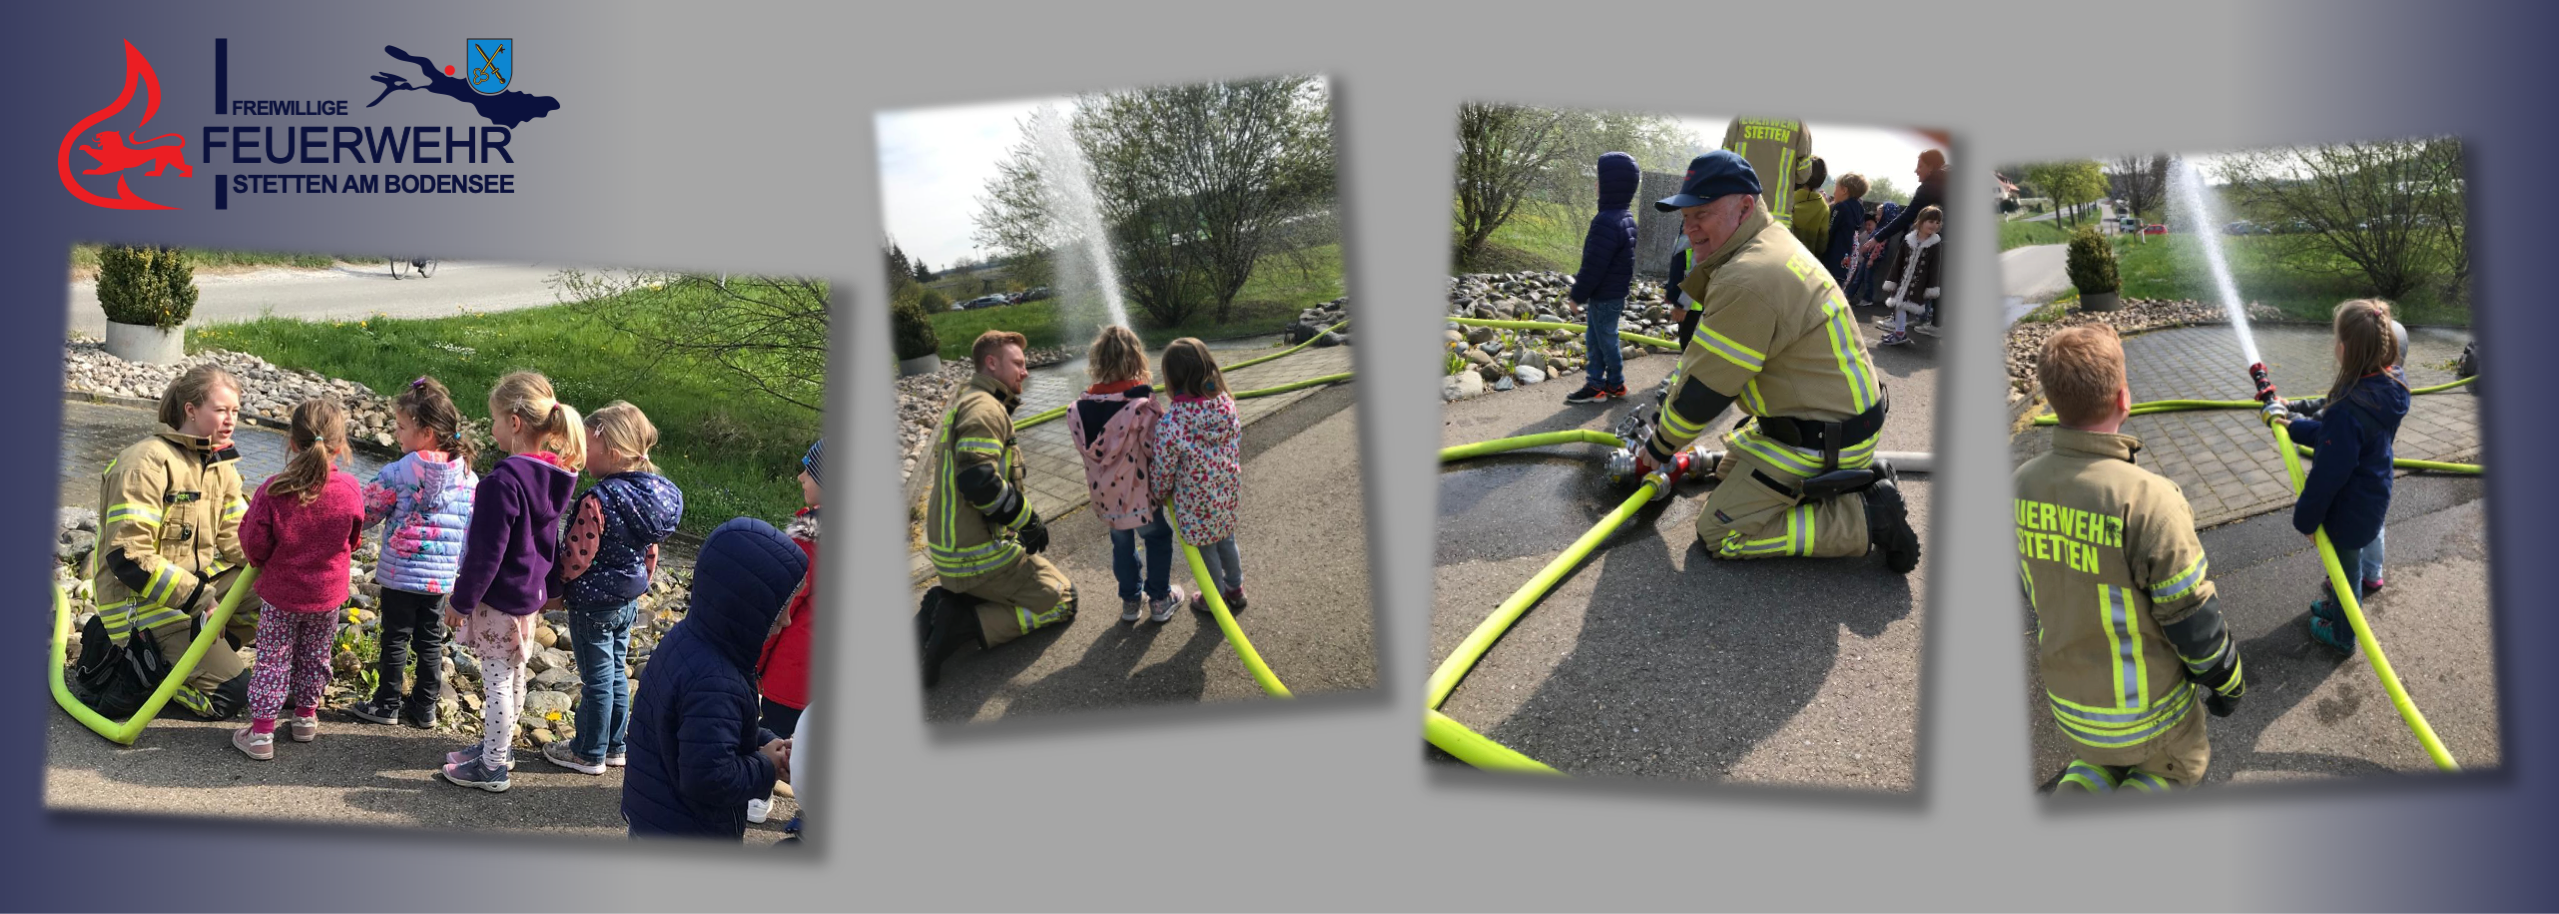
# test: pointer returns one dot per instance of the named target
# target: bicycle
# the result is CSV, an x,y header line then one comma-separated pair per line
x,y
423,267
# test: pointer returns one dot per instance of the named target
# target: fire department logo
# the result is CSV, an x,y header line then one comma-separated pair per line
x,y
113,152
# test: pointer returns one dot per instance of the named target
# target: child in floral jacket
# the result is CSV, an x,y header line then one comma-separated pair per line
x,y
1197,468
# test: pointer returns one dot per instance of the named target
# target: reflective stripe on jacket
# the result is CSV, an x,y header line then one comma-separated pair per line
x,y
977,429
169,510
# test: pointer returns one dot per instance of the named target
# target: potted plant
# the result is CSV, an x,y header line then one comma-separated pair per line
x,y
918,347
148,294
2092,270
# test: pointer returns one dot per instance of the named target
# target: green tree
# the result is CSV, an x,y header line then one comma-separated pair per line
x,y
2392,209
2069,183
769,333
1881,189
1509,155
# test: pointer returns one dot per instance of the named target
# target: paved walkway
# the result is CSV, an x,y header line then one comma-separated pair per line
x,y
2224,459
1056,480
345,292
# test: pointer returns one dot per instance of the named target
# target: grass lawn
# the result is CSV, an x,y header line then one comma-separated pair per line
x,y
1269,301
84,260
2172,266
1538,236
733,452
2022,234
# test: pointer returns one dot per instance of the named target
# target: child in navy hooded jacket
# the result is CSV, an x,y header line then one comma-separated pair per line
x,y
1608,271
606,561
2347,489
699,750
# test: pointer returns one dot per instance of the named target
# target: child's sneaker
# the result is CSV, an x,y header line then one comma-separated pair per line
x,y
560,754
420,714
306,727
617,760
759,809
1616,392
1925,329
377,710
470,753
1234,599
2372,586
2328,626
1894,339
475,774
1590,393
1161,611
256,745
1132,610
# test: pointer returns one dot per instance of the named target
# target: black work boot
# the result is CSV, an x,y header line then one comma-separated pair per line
x,y
1888,527
926,612
954,625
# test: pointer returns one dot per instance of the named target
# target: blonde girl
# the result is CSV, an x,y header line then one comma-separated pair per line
x,y
1113,425
604,567
507,555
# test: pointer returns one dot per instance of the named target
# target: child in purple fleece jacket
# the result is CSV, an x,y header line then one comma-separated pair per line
x,y
507,555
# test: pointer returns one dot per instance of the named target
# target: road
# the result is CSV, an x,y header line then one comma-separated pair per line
x,y
1302,533
2034,274
355,774
344,292
2311,716
1653,660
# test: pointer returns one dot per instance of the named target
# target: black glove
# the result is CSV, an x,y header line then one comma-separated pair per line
x,y
1034,535
2219,704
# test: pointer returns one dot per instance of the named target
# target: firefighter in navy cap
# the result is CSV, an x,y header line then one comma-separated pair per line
x,y
1775,338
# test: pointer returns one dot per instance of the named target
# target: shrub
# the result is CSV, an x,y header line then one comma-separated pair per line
x,y
933,301
2092,263
147,286
915,338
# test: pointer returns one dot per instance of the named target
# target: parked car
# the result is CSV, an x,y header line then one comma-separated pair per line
x,y
2154,229
983,301
2128,224
1034,293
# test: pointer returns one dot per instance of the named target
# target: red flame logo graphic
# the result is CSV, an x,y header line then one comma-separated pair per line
x,y
111,152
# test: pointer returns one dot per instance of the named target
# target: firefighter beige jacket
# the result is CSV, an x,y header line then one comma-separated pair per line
x,y
2109,557
169,513
976,431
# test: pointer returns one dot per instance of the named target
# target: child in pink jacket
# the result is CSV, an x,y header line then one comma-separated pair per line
x,y
301,532
1114,428
1198,467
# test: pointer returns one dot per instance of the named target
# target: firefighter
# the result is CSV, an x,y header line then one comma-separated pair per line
x,y
1777,149
980,530
169,511
1775,336
2128,634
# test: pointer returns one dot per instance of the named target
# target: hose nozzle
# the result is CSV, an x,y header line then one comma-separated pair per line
x,y
2265,385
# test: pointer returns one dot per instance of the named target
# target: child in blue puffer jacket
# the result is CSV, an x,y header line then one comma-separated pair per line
x,y
2347,489
606,561
423,502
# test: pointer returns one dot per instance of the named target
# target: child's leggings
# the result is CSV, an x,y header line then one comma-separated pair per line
x,y
293,656
500,646
1225,565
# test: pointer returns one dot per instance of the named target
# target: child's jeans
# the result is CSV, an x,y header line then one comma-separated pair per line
x,y
1607,362
1158,536
600,640
2368,562
293,656
1225,565
411,620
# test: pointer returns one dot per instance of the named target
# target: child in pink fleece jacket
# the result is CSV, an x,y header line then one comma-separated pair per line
x,y
301,532
1114,429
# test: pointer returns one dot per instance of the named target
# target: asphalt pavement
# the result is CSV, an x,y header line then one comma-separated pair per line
x,y
346,291
1301,530
1653,660
2310,715
356,773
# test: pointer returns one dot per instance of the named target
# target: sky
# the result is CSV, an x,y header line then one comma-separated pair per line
x,y
1871,151
934,163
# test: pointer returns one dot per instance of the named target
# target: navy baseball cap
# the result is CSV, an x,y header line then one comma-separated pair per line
x,y
1712,175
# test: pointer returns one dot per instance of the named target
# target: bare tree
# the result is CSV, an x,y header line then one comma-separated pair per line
x,y
1503,152
767,332
2142,182
2393,210
1013,216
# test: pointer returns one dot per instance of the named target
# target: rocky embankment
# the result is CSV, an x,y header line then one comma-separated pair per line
x,y
268,392
1478,360
2026,337
551,691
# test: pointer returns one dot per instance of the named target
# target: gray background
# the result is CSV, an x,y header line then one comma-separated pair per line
x,y
738,136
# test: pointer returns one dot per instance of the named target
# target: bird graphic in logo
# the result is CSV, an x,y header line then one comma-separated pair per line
x,y
111,153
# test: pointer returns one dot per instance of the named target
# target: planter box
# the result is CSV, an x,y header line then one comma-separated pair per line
x,y
2101,301
927,363
146,344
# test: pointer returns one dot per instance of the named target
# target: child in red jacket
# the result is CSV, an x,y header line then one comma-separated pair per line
x,y
782,673
301,532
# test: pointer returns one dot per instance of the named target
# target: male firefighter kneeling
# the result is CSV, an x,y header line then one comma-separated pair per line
x,y
980,531
1774,335
2126,623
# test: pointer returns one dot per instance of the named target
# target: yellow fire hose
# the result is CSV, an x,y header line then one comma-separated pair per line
x,y
1225,620
1053,413
2345,590
1443,731
2153,407
1552,325
124,732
